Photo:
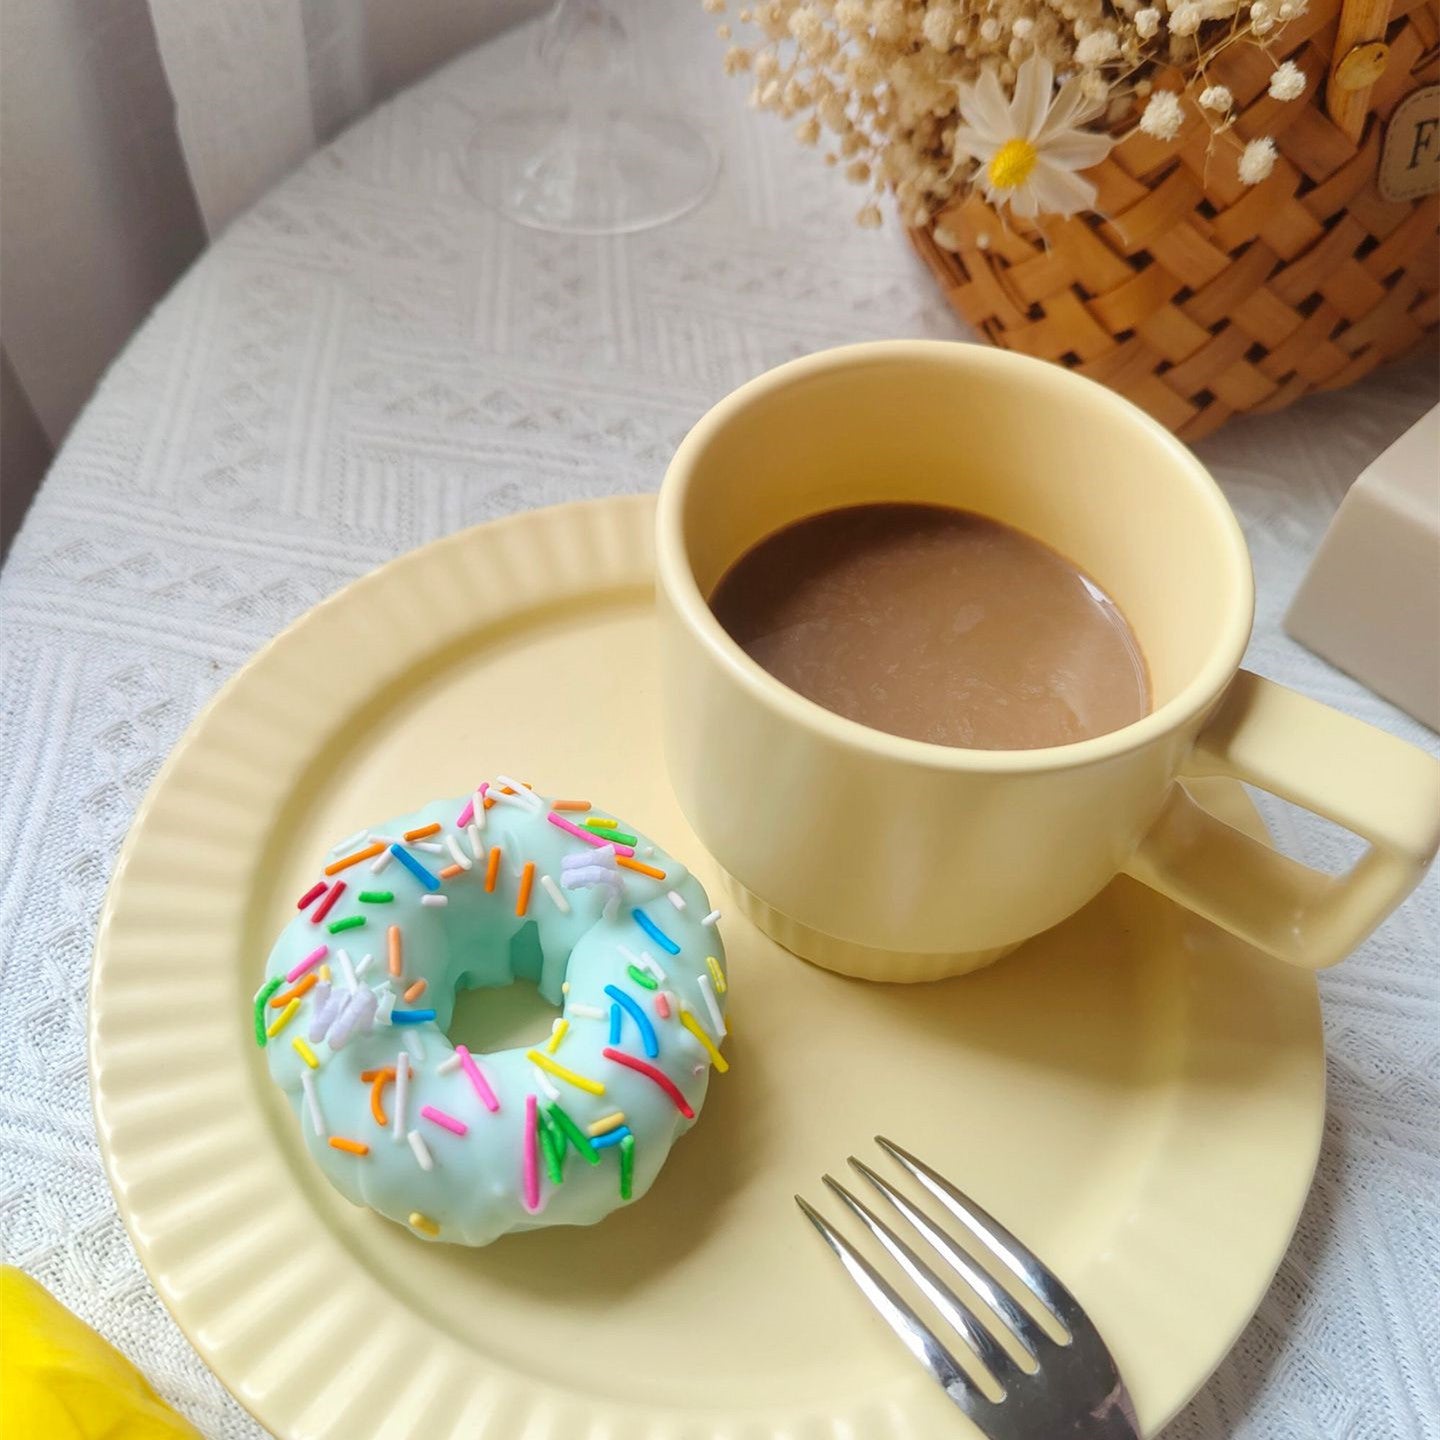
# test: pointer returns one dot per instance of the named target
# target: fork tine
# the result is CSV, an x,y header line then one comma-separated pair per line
x,y
913,1332
949,1304
1024,1329
1020,1261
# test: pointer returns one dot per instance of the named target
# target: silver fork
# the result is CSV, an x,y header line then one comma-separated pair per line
x,y
1074,1391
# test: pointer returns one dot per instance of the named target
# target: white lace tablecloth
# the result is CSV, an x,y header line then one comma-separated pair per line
x,y
367,361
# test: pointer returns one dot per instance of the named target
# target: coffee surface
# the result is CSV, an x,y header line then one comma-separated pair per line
x,y
936,624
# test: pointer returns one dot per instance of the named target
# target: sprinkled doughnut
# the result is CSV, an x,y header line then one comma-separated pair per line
x,y
480,892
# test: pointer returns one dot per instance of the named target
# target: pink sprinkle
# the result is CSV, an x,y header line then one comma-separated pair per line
x,y
477,1079
313,893
308,963
588,836
530,1160
447,1122
466,815
327,904
662,1005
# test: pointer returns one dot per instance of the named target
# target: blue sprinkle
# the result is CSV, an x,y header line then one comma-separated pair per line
x,y
611,1137
415,868
655,932
410,1017
616,1017
642,1021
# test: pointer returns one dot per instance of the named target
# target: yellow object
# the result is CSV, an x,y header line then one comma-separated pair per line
x,y
1137,1096
60,1381
966,853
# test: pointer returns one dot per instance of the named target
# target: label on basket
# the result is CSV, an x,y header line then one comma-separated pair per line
x,y
1410,162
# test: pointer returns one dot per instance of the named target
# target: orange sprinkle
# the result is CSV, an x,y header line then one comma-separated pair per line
x,y
641,866
527,879
377,1092
285,997
431,829
490,802
350,1147
451,871
569,804
492,869
346,861
415,991
386,1071
393,936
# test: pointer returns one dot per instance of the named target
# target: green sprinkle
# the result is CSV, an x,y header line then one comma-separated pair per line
x,y
350,922
575,1135
552,1142
607,835
376,897
641,978
627,1166
261,1000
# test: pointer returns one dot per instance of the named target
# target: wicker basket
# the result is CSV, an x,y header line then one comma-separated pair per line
x,y
1199,297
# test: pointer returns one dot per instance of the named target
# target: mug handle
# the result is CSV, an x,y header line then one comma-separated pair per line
x,y
1382,789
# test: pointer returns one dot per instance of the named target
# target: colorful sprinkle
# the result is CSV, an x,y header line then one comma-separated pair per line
x,y
421,1150
552,1144
444,1120
423,1223
305,1053
350,1147
467,815
707,990
261,999
430,901
639,865
451,871
612,835
476,1076
312,1104
695,1028
411,1017
713,918
414,992
598,824
415,868
655,932
395,944
559,1071
588,836
375,897
675,898
402,1095
662,1005
377,1096
527,880
569,804
328,903
718,973
645,962
307,984
311,895
648,1040
641,978
492,870
606,1122
350,922
529,1159
420,832
346,861
611,1137
651,1073
461,858
575,1135
627,1166
282,1019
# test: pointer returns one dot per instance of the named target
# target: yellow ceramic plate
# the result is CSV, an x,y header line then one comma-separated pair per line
x,y
1137,1096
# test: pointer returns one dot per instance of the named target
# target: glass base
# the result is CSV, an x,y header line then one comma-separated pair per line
x,y
628,170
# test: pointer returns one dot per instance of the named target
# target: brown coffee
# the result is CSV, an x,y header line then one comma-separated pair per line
x,y
936,624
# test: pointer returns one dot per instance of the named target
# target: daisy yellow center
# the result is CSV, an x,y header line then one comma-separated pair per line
x,y
1012,163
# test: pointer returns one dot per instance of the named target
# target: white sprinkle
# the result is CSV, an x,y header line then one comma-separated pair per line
x,y
711,918
312,1103
461,858
347,970
385,1003
386,839
423,1156
712,1004
577,1009
643,961
350,841
428,846
477,843
501,798
528,797
647,851
477,804
380,862
676,899
433,900
366,961
402,1093
543,1081
414,1042
448,1067
698,1069
554,892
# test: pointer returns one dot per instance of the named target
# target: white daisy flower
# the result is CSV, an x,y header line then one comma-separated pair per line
x,y
1257,160
1097,47
1288,82
1163,115
1030,147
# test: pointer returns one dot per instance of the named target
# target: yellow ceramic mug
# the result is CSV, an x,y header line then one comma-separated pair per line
x,y
895,859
